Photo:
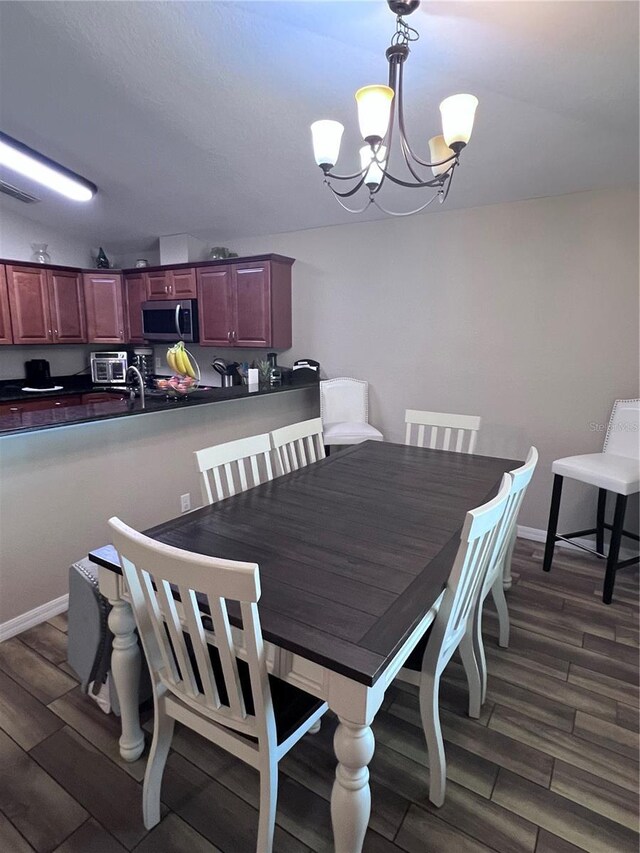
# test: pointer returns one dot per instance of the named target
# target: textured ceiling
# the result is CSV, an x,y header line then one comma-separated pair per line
x,y
194,117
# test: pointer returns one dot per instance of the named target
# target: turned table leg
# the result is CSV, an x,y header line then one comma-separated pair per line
x,y
125,670
351,796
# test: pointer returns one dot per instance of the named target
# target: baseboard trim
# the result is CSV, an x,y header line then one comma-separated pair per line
x,y
535,534
33,617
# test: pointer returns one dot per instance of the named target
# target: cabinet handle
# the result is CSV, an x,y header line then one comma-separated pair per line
x,y
234,335
57,404
14,409
229,336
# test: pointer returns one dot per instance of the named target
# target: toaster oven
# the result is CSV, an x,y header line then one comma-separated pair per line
x,y
109,368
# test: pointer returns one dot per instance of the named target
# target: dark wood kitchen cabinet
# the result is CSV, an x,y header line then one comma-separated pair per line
x,y
105,305
158,284
66,302
245,304
47,306
183,284
171,284
135,287
215,306
6,335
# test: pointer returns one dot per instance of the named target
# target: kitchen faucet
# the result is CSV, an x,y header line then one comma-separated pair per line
x,y
140,383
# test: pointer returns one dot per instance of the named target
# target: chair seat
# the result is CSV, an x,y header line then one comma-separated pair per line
x,y
291,706
350,433
619,474
414,661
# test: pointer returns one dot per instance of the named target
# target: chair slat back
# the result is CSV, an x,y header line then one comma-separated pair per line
x,y
623,432
520,479
481,538
298,444
344,400
440,431
177,644
233,467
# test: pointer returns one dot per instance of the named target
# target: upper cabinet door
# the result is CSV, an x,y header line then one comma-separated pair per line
x,y
183,284
104,302
252,305
215,306
66,304
159,284
29,301
136,293
6,336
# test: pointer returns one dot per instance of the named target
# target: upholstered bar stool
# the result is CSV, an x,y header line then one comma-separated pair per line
x,y
617,470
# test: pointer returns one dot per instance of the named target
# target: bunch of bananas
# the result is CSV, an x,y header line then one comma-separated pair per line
x,y
179,361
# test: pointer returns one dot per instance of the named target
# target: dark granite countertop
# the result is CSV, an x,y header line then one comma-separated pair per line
x,y
11,389
23,422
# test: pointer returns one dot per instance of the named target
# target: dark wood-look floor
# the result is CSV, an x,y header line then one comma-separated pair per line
x,y
551,766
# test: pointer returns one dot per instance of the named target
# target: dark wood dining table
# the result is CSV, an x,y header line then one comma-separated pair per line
x,y
354,554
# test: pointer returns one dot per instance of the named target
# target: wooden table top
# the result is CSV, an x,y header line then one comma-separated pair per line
x,y
353,550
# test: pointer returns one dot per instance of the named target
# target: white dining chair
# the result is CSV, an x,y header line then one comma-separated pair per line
x,y
617,470
520,479
201,677
344,410
234,466
480,540
441,427
298,444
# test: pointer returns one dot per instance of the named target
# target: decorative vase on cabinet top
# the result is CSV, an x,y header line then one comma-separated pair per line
x,y
40,254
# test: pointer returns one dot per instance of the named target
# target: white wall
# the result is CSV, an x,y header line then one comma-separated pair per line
x,y
524,313
17,233
63,361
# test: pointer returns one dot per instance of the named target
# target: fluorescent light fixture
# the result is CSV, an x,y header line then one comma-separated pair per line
x,y
24,160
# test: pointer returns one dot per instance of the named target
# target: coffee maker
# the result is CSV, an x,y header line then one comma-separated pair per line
x,y
37,373
143,360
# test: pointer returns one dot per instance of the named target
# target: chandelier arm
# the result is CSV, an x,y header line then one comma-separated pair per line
x,y
396,85
345,177
350,209
403,133
348,193
405,212
404,147
433,183
387,142
446,192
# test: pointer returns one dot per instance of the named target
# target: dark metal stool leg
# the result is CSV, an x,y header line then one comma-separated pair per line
x,y
552,529
602,507
614,548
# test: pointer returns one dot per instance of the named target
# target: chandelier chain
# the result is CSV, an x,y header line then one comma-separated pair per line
x,y
404,33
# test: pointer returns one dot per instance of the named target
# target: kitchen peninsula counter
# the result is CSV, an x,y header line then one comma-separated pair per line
x,y
155,402
59,486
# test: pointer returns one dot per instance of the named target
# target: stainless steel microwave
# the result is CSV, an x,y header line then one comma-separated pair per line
x,y
170,320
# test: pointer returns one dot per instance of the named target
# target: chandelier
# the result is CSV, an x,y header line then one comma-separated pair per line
x,y
378,108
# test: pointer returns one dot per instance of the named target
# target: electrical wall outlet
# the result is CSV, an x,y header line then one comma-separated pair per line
x,y
158,364
185,503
